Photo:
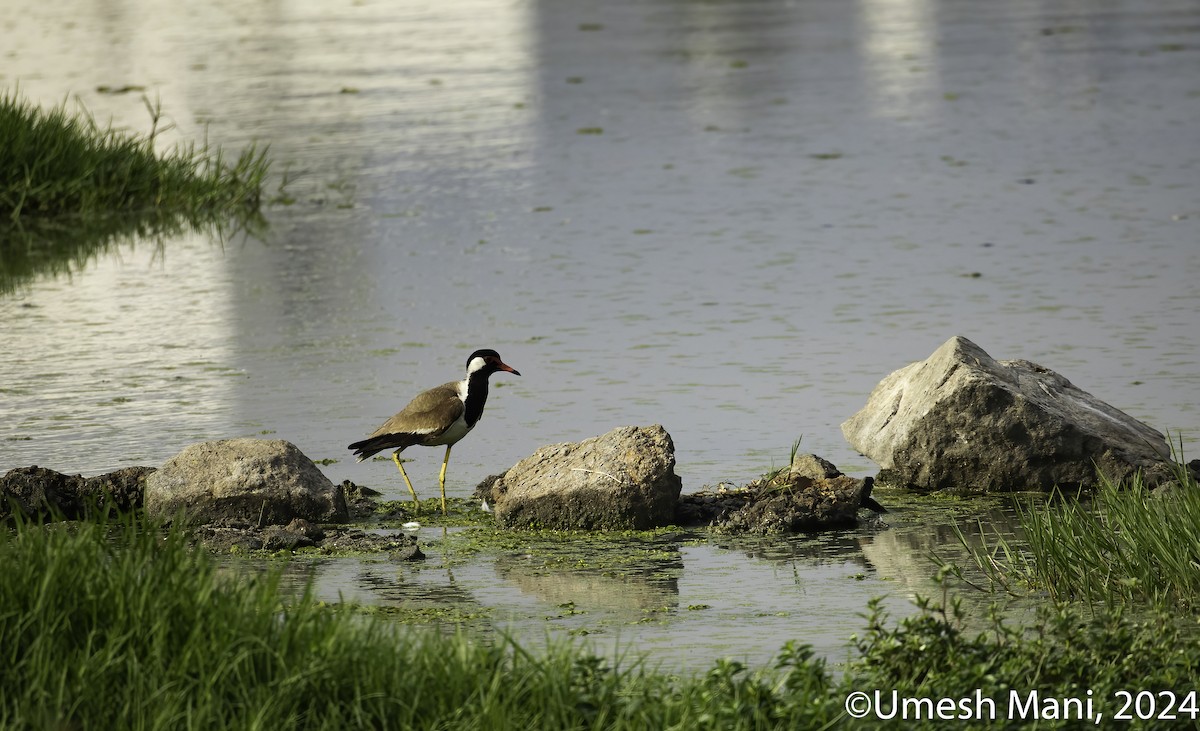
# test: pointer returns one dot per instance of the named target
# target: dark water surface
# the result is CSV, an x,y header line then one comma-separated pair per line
x,y
731,218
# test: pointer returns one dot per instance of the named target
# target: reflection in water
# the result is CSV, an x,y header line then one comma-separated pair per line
x,y
681,601
33,249
140,336
625,592
901,59
807,547
912,551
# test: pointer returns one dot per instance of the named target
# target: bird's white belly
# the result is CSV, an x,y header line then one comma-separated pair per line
x,y
457,431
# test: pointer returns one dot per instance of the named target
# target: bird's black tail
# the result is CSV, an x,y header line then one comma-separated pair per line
x,y
371,446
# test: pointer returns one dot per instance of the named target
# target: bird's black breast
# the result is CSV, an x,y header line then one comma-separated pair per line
x,y
477,393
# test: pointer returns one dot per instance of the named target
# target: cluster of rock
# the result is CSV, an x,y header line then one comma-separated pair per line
x,y
253,494
959,420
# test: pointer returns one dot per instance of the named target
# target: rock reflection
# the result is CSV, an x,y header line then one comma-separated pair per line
x,y
911,552
838,545
906,546
600,582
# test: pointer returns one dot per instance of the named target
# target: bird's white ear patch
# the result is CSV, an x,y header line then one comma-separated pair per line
x,y
476,364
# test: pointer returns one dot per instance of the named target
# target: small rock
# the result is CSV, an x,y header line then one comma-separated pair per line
x,y
869,502
622,480
799,504
360,500
297,534
810,465
306,529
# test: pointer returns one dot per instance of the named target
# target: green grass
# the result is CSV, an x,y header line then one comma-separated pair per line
x,y
1065,652
1122,544
775,472
58,164
121,625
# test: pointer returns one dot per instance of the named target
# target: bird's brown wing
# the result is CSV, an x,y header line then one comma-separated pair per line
x,y
429,413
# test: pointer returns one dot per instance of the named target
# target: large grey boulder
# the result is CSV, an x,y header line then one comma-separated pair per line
x,y
962,420
263,482
622,480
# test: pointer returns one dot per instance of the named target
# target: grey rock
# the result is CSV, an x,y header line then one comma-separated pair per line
x,y
810,465
360,500
297,534
964,421
264,482
622,480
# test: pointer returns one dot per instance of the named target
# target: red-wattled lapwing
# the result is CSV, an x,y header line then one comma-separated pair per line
x,y
441,415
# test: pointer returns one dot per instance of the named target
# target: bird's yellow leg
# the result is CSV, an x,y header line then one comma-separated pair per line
x,y
442,477
396,459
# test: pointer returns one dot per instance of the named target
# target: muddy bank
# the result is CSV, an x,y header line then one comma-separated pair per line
x,y
44,495
799,498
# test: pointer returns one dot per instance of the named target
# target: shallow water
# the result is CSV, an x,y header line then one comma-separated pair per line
x,y
680,601
731,218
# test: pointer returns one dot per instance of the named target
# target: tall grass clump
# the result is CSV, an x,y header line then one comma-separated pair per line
x,y
57,164
1124,543
121,626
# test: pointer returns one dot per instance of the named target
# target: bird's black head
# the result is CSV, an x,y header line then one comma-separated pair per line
x,y
488,360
